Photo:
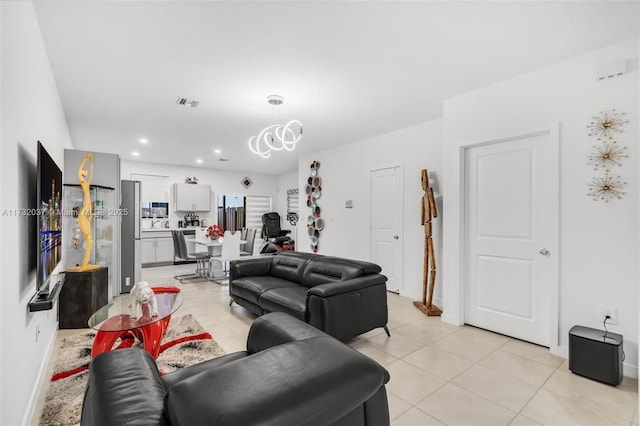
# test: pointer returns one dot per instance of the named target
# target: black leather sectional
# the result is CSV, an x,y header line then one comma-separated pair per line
x,y
290,374
342,297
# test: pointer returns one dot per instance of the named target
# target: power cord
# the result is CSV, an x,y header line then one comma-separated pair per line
x,y
604,339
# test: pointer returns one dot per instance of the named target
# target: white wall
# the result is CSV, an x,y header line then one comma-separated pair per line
x,y
598,241
31,111
222,183
285,182
345,173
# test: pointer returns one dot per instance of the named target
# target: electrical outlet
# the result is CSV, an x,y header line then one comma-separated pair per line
x,y
608,310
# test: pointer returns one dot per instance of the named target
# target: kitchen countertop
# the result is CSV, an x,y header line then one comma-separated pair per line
x,y
170,229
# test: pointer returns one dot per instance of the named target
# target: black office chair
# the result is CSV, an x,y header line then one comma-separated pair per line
x,y
271,228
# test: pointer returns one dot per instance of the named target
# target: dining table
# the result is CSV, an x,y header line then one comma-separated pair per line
x,y
214,247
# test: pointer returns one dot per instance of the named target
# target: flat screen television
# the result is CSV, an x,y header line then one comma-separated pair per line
x,y
49,190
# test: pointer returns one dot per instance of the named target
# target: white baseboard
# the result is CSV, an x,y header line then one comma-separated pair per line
x,y
450,319
411,295
630,370
40,379
561,351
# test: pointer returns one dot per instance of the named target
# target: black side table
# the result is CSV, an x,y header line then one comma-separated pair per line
x,y
83,294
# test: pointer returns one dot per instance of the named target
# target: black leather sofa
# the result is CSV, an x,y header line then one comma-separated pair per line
x,y
342,297
290,374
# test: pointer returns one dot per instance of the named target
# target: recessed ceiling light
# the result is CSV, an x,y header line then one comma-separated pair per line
x,y
143,140
135,153
199,160
217,151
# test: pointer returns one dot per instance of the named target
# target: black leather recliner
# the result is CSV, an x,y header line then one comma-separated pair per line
x,y
272,232
290,374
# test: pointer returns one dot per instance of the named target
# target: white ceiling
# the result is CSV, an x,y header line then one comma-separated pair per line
x,y
347,69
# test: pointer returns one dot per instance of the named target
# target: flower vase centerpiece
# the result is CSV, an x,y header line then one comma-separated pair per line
x,y
215,232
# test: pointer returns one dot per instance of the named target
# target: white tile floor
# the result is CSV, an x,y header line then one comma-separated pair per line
x,y
440,374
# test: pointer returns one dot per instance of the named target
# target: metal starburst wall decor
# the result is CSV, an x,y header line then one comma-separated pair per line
x,y
607,155
606,124
606,188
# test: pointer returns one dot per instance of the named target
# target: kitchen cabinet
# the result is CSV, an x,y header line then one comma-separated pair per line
x,y
192,197
149,250
157,248
164,250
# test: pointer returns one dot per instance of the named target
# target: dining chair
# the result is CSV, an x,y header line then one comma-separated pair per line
x,y
250,239
201,235
182,253
243,237
230,250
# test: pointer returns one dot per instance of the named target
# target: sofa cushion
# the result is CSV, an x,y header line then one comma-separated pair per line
x,y
368,268
118,400
180,374
289,266
262,334
324,270
316,381
250,288
290,300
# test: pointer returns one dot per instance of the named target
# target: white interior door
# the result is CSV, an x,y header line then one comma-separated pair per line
x,y
511,215
386,224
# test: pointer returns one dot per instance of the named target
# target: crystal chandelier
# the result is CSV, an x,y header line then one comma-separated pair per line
x,y
277,136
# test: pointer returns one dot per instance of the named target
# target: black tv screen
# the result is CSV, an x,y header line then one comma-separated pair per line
x,y
49,190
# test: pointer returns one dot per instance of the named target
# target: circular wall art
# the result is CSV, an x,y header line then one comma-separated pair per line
x,y
314,190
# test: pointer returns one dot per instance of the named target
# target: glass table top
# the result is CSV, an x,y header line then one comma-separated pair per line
x,y
116,316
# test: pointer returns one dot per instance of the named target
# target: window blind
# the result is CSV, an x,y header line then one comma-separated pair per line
x,y
256,206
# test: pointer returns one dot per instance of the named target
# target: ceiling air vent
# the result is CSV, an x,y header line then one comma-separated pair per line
x,y
223,159
185,101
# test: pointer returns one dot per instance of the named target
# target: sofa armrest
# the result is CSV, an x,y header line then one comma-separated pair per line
x,y
124,387
339,287
250,267
349,308
276,328
316,381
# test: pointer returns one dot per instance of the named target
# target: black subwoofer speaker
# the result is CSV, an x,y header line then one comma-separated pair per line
x,y
596,354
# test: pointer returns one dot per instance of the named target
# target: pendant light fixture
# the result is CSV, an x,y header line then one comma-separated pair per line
x,y
277,136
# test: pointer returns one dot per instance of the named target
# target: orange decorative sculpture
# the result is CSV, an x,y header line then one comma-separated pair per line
x,y
429,211
84,216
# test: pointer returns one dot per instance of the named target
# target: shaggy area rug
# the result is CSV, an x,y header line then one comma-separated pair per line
x,y
185,343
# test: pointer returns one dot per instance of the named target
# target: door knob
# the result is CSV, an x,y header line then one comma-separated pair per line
x,y
395,237
544,251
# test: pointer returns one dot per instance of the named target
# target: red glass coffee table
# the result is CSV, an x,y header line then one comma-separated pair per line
x,y
113,321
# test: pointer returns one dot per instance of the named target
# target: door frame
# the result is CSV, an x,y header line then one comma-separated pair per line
x,y
553,131
400,174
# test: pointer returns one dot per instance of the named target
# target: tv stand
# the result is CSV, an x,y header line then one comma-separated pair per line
x,y
44,300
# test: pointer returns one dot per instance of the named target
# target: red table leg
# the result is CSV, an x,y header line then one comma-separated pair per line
x,y
104,340
151,337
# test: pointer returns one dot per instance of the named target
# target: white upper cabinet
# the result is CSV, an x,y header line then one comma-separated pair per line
x,y
153,187
192,197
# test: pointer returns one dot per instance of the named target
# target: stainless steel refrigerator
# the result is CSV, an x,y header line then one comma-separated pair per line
x,y
131,249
